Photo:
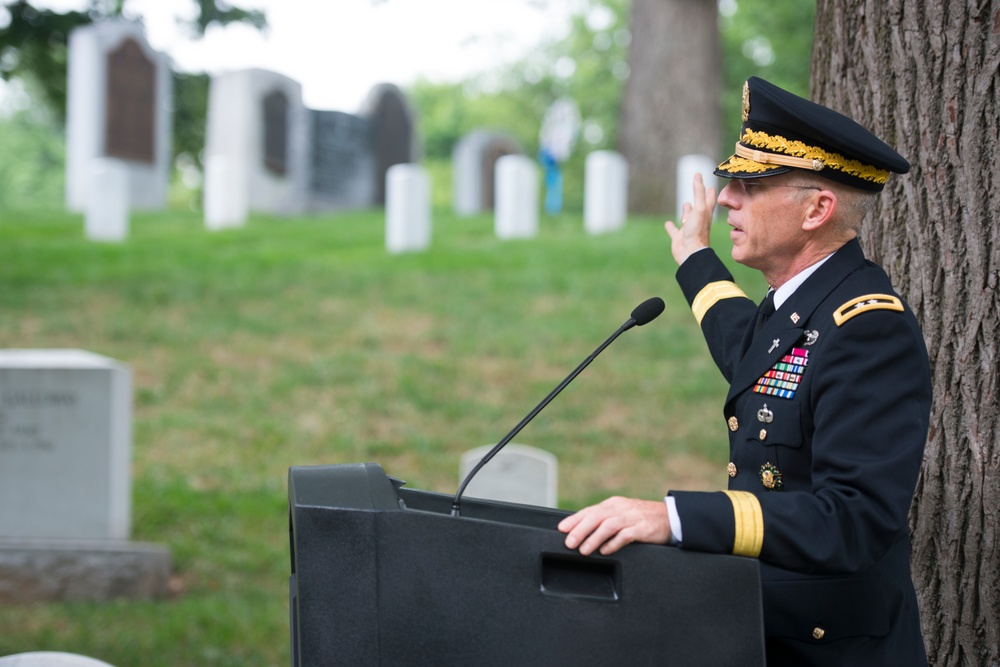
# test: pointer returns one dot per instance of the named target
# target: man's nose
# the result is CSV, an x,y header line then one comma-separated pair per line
x,y
729,195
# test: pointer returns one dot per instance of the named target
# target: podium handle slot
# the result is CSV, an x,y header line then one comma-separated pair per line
x,y
583,578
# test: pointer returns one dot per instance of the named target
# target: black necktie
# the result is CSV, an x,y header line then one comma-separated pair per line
x,y
765,311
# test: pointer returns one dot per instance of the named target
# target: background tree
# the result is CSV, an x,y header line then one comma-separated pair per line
x,y
925,74
670,106
688,60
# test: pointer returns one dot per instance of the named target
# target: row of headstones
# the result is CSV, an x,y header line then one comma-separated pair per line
x,y
516,202
265,151
515,194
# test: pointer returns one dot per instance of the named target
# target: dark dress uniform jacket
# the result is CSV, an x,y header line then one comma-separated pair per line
x,y
827,415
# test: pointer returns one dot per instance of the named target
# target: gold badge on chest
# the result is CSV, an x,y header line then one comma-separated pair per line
x,y
770,477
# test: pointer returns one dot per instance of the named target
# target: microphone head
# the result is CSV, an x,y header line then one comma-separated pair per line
x,y
648,310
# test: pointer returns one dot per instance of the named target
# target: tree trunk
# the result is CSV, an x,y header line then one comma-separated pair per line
x,y
670,106
923,75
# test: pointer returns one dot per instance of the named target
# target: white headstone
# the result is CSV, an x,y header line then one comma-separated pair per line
x,y
407,208
119,98
225,196
605,195
518,474
106,216
256,119
516,211
50,659
65,445
687,167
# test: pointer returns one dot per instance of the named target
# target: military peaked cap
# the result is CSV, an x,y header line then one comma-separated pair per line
x,y
782,131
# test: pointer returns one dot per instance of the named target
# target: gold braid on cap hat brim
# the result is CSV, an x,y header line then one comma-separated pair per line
x,y
787,153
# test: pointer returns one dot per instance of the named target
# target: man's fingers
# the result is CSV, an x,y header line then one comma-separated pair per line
x,y
672,229
605,530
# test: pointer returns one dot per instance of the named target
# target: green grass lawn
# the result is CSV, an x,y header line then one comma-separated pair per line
x,y
303,342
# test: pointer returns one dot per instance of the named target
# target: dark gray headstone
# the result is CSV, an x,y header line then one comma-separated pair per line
x,y
276,132
393,132
342,163
129,131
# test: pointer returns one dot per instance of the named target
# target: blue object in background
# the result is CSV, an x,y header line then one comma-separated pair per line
x,y
553,181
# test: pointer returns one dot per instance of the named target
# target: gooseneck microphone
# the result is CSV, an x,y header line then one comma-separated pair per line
x,y
644,313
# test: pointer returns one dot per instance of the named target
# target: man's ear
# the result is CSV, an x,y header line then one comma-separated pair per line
x,y
819,209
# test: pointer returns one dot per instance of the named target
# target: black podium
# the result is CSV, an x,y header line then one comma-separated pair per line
x,y
384,575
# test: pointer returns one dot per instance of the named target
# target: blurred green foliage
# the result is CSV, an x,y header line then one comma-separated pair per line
x,y
32,159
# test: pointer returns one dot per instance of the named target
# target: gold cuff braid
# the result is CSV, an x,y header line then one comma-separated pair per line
x,y
711,294
749,523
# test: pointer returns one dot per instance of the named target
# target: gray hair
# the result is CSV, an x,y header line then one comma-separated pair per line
x,y
853,204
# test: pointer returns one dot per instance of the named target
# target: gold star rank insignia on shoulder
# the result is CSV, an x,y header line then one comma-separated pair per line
x,y
864,304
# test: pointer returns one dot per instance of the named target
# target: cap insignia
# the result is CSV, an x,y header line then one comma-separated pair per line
x,y
746,101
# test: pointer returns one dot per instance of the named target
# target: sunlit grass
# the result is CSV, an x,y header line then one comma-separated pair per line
x,y
301,342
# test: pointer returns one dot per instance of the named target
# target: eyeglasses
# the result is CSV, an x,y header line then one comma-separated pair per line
x,y
751,186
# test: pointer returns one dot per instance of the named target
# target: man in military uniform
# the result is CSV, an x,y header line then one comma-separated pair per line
x,y
829,400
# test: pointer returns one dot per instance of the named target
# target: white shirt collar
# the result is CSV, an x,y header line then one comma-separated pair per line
x,y
782,293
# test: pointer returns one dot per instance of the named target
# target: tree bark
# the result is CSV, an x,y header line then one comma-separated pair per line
x,y
925,76
670,106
